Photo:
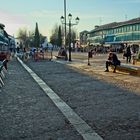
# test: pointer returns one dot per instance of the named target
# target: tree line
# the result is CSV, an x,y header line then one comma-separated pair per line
x,y
29,39
57,36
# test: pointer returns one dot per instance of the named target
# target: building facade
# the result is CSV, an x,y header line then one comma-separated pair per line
x,y
83,37
127,32
7,43
4,40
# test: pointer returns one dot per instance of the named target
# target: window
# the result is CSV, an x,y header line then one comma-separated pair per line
x,y
124,29
127,28
120,30
134,28
137,27
130,28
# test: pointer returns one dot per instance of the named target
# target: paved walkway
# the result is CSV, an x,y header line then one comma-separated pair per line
x,y
110,111
27,113
97,68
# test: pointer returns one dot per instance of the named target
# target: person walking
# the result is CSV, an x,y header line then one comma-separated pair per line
x,y
128,54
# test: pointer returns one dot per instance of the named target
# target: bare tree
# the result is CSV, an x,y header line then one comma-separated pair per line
x,y
57,33
23,36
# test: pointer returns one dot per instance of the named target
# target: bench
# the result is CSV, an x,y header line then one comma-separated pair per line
x,y
132,70
1,75
61,57
3,69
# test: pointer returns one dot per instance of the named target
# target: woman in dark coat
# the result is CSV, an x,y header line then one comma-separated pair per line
x,y
128,54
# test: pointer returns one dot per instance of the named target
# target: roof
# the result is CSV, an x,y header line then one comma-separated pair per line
x,y
2,26
85,31
116,24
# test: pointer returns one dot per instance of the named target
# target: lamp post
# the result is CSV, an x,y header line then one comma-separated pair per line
x,y
65,23
70,24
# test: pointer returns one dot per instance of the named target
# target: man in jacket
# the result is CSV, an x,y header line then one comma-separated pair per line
x,y
112,60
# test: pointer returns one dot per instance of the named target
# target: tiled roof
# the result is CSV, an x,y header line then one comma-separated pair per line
x,y
116,24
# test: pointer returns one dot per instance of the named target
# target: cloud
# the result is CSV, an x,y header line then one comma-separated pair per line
x,y
8,17
56,14
12,22
45,14
92,17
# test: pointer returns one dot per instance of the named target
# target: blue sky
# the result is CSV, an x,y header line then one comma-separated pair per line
x,y
17,14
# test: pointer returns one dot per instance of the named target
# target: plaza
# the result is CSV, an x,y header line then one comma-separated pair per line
x,y
70,70
107,104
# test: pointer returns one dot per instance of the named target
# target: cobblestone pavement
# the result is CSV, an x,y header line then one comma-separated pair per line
x,y
120,79
97,68
27,113
112,111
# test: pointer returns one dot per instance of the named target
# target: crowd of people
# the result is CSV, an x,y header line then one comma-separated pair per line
x,y
129,53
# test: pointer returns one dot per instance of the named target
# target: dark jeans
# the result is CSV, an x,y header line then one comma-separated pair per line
x,y
128,59
108,63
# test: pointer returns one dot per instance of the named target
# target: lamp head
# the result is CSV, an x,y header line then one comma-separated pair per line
x,y
77,20
62,19
70,17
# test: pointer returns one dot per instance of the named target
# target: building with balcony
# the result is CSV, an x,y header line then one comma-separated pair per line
x,y
7,42
116,33
83,37
4,40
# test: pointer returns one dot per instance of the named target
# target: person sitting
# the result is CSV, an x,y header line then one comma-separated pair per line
x,y
62,53
112,60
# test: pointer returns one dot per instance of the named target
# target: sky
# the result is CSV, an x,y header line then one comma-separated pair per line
x,y
17,14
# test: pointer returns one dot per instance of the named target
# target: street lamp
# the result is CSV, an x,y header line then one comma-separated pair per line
x,y
65,23
70,24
